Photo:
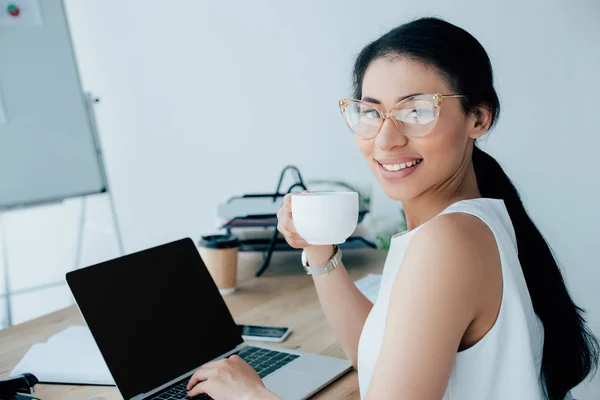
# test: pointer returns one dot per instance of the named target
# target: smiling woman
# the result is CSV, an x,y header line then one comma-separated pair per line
x,y
525,337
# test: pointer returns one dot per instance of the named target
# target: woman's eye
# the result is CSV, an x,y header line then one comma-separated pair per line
x,y
419,115
416,113
371,114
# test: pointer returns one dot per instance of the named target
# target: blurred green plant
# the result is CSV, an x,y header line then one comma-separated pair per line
x,y
384,236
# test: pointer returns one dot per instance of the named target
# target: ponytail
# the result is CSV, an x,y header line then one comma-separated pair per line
x,y
570,350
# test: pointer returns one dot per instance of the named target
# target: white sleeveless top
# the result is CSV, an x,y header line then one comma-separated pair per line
x,y
505,363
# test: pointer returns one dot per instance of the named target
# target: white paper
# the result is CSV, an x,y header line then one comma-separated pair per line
x,y
369,286
30,13
70,356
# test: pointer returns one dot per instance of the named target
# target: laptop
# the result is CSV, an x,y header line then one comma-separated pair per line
x,y
157,316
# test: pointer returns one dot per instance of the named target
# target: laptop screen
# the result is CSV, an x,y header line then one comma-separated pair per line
x,y
155,315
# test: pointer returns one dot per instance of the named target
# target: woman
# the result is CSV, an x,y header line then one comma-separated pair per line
x,y
472,304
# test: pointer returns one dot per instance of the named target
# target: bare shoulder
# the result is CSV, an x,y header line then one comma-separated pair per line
x,y
457,246
456,228
459,232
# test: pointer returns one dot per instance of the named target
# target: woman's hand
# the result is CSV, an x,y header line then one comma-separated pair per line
x,y
228,378
285,225
317,254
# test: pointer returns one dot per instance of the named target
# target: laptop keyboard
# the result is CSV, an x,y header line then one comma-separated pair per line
x,y
263,361
179,392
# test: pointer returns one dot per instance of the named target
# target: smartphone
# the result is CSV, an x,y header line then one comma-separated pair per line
x,y
265,333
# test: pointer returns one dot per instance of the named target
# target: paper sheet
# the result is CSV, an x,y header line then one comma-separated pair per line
x,y
70,356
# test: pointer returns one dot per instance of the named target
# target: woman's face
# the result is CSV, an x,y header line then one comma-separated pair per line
x,y
443,151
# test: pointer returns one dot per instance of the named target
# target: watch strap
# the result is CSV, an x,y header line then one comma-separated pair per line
x,y
327,267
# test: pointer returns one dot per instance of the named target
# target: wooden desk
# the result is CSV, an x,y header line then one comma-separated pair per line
x,y
284,296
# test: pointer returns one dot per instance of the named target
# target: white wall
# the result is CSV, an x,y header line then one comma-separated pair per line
x,y
202,100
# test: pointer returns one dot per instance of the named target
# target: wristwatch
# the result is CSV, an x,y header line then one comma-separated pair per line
x,y
326,268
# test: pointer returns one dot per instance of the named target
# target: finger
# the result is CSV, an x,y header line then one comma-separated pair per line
x,y
238,362
294,236
285,225
235,358
283,212
287,200
298,244
286,222
210,364
198,389
287,234
280,228
200,375
295,240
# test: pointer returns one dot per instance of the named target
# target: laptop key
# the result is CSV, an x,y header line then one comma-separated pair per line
x,y
261,367
279,364
269,371
266,361
201,397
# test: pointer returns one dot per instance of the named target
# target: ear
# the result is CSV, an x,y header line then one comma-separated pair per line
x,y
480,121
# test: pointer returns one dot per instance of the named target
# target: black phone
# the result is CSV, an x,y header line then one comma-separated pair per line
x,y
265,333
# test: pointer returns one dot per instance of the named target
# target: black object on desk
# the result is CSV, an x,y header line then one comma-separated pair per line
x,y
259,210
11,387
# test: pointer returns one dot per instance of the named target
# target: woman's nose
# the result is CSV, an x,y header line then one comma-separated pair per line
x,y
390,136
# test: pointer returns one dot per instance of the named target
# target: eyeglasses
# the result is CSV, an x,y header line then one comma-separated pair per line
x,y
414,116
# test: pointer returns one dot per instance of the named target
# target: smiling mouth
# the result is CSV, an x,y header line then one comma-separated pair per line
x,y
400,167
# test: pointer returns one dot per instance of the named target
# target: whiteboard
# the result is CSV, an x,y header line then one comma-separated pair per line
x,y
48,146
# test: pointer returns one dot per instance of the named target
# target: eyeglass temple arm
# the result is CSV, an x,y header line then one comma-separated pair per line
x,y
443,96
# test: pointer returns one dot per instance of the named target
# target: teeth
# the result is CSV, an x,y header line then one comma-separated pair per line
x,y
398,167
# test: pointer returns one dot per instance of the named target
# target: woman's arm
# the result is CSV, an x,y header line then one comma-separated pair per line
x,y
436,296
345,307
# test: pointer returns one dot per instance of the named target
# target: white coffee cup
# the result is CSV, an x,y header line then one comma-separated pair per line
x,y
325,217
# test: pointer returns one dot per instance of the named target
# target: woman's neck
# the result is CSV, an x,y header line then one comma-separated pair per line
x,y
430,203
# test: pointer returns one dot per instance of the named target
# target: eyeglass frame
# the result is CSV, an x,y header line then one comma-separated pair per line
x,y
436,97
